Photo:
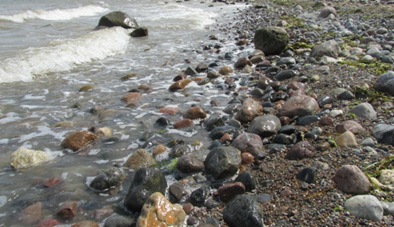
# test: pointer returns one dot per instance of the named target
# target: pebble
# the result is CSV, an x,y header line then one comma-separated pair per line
x,y
24,158
139,159
351,126
299,105
365,206
346,139
117,220
251,143
247,180
301,150
189,163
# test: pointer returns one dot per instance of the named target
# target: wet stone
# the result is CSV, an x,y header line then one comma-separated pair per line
x,y
78,140
223,162
265,126
249,142
198,196
286,74
139,159
195,113
247,180
190,164
249,110
218,132
229,191
24,158
177,192
111,178
243,210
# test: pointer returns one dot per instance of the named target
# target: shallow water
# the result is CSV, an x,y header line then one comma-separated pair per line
x,y
51,49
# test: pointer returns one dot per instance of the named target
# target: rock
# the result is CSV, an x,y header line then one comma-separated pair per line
x,y
169,110
346,139
251,143
365,206
86,224
387,177
243,210
78,140
140,159
139,32
229,191
184,123
241,63
247,180
104,132
307,175
286,74
247,158
194,113
301,150
364,111
25,158
307,120
219,132
68,210
249,110
351,126
117,18
32,214
213,121
48,223
190,164
350,179
385,83
271,40
388,208
198,196
384,133
265,126
132,99
118,221
179,85
299,105
158,211
226,70
86,88
328,48
111,178
223,162
146,181
326,11
177,192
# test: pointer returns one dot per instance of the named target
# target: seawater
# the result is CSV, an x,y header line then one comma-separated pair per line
x,y
50,49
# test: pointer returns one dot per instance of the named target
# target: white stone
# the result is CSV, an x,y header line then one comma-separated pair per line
x,y
24,158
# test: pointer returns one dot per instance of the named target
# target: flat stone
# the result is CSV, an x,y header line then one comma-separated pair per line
x,y
177,192
346,139
364,111
350,179
299,105
365,206
158,211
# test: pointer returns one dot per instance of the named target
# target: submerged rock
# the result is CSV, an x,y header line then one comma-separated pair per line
x,y
158,211
111,178
24,158
117,18
140,159
79,140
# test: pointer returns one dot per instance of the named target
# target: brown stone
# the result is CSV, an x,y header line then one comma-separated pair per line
x,y
300,150
249,110
52,182
299,105
132,99
325,121
188,208
48,223
86,224
169,110
229,191
179,85
263,82
78,140
184,123
195,112
158,211
68,210
346,139
350,179
159,149
226,70
140,159
247,158
241,63
32,214
226,138
350,125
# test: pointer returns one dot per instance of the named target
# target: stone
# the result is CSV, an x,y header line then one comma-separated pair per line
x,y
146,182
299,105
77,141
118,221
177,192
301,150
86,88
189,163
328,48
385,83
139,32
229,191
179,85
346,139
223,162
48,223
251,143
286,74
132,99
226,70
384,133
350,179
194,113
351,126
247,158
25,158
140,158
364,111
117,18
387,177
158,211
198,196
271,40
213,121
32,214
326,11
68,210
247,180
111,178
265,126
219,132
86,224
243,210
242,62
249,110
365,206
388,208
169,110
184,123
307,175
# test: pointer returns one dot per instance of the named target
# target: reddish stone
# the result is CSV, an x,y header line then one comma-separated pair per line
x,y
51,182
78,140
68,210
226,137
249,110
132,99
350,179
299,105
168,110
351,126
179,85
32,214
48,223
247,158
324,121
229,191
184,123
195,112
188,208
301,150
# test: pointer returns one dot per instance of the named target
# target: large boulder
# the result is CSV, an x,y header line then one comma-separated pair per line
x,y
146,182
271,40
117,18
223,162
